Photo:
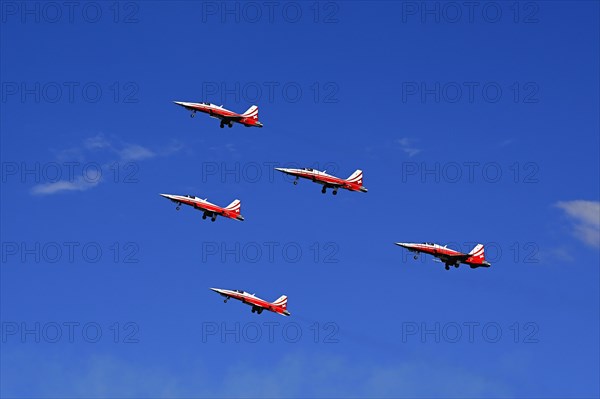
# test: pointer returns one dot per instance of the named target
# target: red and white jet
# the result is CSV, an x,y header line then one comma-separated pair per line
x,y
227,117
231,211
475,258
258,305
353,183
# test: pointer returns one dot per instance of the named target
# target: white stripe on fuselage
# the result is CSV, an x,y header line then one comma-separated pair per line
x,y
315,174
208,108
434,247
182,198
242,296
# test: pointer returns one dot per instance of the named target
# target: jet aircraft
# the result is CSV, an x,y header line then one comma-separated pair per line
x,y
227,117
258,305
231,211
352,183
475,258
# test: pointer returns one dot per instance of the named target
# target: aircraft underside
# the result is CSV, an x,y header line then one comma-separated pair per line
x,y
212,215
224,121
325,185
255,309
449,262
446,261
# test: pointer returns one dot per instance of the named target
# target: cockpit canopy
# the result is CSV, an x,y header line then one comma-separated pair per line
x,y
309,169
239,291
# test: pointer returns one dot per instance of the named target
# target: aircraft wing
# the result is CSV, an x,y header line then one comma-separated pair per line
x,y
453,258
335,184
328,183
233,117
209,211
271,309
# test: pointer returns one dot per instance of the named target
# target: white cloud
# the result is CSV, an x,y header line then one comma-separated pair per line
x,y
407,145
125,151
96,142
585,217
103,151
173,147
79,184
329,376
135,152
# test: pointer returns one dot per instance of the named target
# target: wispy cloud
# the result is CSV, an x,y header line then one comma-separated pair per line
x,y
124,151
96,142
407,145
79,184
336,376
585,219
173,147
110,150
134,152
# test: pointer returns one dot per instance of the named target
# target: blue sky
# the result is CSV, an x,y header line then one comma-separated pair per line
x,y
469,127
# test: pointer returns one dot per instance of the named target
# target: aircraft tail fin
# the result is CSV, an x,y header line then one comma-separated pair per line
x,y
356,177
235,206
251,112
478,249
281,301
477,254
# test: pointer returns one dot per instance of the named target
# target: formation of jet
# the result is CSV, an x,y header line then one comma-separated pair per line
x,y
258,305
231,211
227,117
475,258
352,183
